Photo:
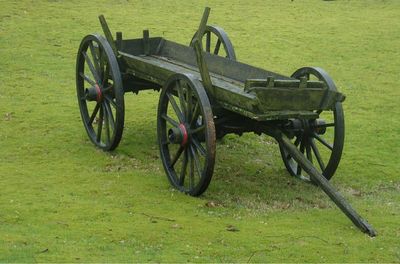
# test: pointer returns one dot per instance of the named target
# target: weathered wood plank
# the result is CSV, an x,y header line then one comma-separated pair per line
x,y
231,96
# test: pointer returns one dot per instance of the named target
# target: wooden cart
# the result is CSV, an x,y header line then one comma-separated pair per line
x,y
206,94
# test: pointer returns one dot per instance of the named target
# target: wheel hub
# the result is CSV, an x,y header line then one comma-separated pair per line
x,y
94,93
308,126
318,126
178,135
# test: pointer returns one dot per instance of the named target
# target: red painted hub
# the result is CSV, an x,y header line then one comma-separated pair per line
x,y
99,95
178,135
184,134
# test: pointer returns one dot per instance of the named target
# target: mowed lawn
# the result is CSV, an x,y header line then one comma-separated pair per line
x,y
63,200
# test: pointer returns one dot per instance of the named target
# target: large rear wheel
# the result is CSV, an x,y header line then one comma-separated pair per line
x,y
100,92
186,134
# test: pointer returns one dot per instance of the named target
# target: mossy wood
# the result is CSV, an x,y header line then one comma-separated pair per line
x,y
205,96
236,86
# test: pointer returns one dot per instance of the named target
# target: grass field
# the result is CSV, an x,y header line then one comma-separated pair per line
x,y
62,200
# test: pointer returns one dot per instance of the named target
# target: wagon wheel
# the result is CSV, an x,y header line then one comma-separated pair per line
x,y
213,44
186,134
321,139
100,92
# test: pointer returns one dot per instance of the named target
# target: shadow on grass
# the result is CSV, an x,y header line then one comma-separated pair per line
x,y
248,174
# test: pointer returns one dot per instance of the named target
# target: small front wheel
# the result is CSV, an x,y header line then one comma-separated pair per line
x,y
321,140
186,134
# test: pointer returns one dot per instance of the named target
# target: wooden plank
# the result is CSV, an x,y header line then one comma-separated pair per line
x,y
287,98
272,82
216,64
269,115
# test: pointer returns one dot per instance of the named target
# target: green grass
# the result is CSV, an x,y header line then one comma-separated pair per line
x,y
62,200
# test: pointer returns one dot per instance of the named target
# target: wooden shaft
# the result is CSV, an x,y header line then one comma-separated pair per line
x,y
336,197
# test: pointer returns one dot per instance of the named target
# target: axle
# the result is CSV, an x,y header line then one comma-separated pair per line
x,y
317,126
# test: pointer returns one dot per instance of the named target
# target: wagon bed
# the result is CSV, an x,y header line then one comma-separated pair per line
x,y
236,84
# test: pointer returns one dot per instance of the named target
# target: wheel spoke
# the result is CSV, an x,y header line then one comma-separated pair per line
x,y
199,147
302,146
107,124
196,113
326,125
175,107
110,115
91,67
166,142
92,117
96,62
169,120
196,160
198,129
184,167
103,62
100,124
217,46
108,88
191,171
177,156
87,78
308,151
110,100
317,155
323,142
189,101
106,74
297,141
298,172
181,98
